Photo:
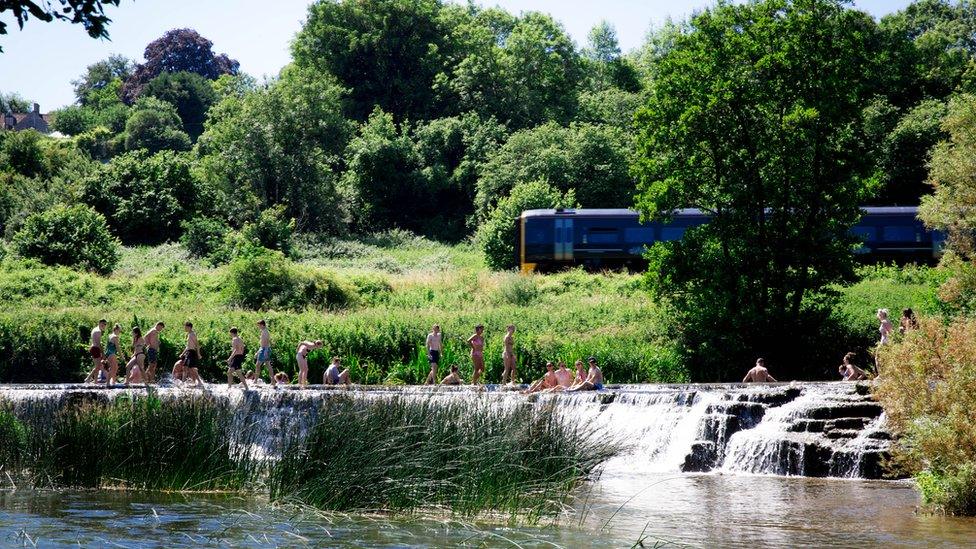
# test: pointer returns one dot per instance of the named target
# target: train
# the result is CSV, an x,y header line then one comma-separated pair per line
x,y
553,239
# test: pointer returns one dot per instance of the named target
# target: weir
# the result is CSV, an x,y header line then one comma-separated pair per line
x,y
799,429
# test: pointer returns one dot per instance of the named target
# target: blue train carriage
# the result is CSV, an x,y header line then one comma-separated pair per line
x,y
548,240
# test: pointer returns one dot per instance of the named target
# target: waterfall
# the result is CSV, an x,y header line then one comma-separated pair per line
x,y
808,429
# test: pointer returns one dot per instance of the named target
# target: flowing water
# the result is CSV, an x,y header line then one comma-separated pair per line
x,y
710,465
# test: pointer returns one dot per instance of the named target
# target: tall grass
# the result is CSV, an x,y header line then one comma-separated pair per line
x,y
406,456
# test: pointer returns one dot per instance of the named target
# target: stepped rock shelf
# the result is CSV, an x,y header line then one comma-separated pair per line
x,y
799,429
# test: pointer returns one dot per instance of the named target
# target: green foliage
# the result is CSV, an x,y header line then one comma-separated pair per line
x,y
266,280
496,236
144,196
73,120
592,161
752,119
75,236
203,236
154,125
191,94
406,456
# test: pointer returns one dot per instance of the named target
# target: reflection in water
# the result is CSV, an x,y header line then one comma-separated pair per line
x,y
699,510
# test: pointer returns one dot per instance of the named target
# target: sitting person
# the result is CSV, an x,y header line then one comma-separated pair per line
x,y
548,381
452,378
281,377
333,376
758,374
850,371
594,378
564,378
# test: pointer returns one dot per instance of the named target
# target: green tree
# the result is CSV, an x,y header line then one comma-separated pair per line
x,y
752,118
154,125
591,160
144,197
496,236
75,236
190,93
278,144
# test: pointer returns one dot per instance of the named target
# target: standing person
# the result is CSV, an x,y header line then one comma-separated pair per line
x,y
477,344
263,357
152,351
908,321
95,350
112,354
453,378
191,353
333,376
135,369
508,355
434,340
594,378
885,327
236,359
758,373
301,356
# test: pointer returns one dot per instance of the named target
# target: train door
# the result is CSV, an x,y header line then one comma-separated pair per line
x,y
563,240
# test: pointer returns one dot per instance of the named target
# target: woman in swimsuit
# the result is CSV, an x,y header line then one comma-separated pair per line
x,y
477,343
508,355
112,354
301,357
134,368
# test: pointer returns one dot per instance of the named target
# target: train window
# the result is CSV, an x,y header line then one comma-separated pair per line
x,y
899,233
602,236
672,233
639,234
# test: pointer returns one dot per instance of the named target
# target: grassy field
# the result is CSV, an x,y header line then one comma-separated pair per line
x,y
396,286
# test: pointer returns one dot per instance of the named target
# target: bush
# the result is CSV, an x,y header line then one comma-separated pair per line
x,y
267,280
74,236
928,389
203,236
496,236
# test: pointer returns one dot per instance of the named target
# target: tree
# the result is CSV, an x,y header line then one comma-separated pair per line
x,y
753,118
278,144
74,236
144,196
593,161
72,120
154,125
178,50
496,236
100,74
386,52
89,13
190,93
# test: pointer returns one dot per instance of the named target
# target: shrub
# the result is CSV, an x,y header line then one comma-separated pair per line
x,y
496,236
75,236
267,280
203,236
928,389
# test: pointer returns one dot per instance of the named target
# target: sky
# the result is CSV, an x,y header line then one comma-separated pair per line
x,y
40,61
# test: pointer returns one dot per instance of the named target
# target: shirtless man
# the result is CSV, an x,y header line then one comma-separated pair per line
x,y
191,354
301,357
477,344
333,376
594,378
95,350
263,356
152,351
564,378
508,355
759,374
452,378
433,353
548,381
236,359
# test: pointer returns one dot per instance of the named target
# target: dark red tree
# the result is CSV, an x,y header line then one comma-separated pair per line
x,y
179,50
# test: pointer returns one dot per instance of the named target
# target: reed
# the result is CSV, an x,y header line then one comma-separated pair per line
x,y
408,456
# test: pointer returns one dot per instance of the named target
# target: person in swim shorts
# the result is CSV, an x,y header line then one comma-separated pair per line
x,y
236,359
477,344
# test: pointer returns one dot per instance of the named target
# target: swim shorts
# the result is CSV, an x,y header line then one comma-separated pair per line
x,y
152,355
236,362
263,355
95,351
433,356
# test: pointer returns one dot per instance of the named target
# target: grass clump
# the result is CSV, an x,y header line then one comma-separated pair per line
x,y
928,389
405,456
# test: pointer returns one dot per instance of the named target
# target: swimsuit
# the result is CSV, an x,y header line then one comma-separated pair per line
x,y
264,354
236,362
